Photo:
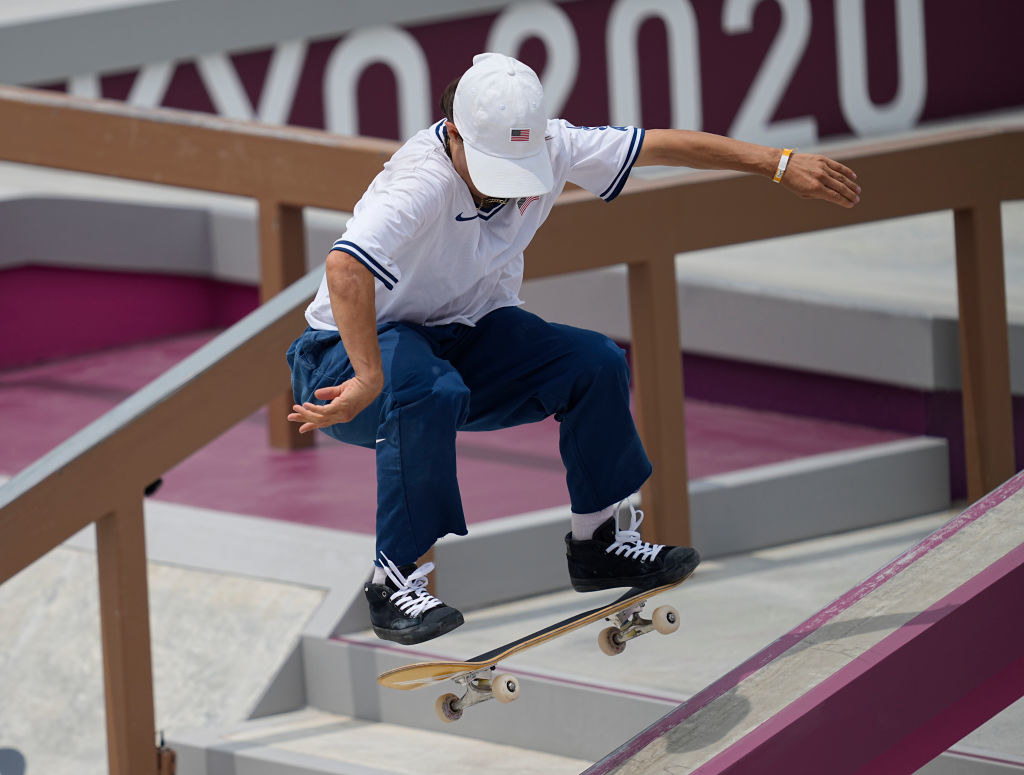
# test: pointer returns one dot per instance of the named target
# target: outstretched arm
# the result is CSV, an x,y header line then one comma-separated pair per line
x,y
352,301
807,175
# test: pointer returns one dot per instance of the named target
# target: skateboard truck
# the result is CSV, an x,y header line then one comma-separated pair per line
x,y
629,624
477,687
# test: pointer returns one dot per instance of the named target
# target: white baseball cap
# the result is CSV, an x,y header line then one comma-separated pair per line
x,y
499,111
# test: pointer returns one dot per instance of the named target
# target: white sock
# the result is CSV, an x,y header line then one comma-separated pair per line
x,y
378,575
584,525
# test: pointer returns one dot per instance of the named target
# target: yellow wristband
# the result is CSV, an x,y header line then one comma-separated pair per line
x,y
782,165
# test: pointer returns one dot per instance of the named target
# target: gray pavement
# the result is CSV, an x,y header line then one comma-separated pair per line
x,y
217,638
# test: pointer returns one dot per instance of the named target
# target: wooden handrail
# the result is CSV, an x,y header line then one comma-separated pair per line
x,y
295,166
683,212
149,433
286,169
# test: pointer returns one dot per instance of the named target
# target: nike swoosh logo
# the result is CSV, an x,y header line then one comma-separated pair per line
x,y
380,440
470,218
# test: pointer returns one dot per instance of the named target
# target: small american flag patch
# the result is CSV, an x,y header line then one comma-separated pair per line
x,y
525,202
518,135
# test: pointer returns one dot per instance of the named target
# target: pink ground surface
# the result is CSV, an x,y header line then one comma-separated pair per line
x,y
501,473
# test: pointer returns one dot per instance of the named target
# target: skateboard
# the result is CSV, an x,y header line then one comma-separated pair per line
x,y
475,676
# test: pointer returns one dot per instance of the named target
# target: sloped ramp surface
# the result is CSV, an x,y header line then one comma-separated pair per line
x,y
882,680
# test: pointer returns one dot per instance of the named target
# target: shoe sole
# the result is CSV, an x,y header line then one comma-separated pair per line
x,y
667,576
413,635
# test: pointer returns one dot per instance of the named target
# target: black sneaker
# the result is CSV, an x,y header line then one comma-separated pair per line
x,y
401,609
619,558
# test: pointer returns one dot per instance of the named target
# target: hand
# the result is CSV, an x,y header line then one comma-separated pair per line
x,y
812,176
344,402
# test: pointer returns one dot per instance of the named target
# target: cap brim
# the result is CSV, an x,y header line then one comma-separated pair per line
x,y
502,177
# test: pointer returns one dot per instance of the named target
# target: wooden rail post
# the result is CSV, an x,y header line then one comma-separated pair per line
x,y
124,620
282,262
984,348
658,374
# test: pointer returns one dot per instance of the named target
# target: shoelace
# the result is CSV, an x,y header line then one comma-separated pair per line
x,y
412,597
628,542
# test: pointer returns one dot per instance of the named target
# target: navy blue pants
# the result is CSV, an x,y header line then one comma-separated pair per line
x,y
511,368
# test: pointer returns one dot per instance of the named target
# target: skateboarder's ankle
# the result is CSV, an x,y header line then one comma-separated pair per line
x,y
401,608
584,525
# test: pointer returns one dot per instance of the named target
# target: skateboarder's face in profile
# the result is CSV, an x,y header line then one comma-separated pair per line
x,y
458,155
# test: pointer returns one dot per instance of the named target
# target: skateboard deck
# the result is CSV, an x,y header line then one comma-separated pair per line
x,y
624,610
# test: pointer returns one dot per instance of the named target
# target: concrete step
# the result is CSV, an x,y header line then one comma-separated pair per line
x,y
314,742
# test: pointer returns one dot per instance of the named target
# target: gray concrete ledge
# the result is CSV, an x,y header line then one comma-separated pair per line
x,y
268,549
315,742
121,225
819,495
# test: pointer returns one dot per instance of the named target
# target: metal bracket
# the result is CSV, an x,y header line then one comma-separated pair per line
x,y
630,623
476,689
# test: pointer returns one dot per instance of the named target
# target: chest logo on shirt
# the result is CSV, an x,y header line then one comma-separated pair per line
x,y
487,211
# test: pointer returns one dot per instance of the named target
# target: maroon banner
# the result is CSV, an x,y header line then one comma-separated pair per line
x,y
775,71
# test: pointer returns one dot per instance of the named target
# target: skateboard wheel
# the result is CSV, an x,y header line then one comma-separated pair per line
x,y
610,641
666,619
505,688
445,707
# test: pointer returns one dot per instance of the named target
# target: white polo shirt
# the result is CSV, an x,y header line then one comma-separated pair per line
x,y
436,258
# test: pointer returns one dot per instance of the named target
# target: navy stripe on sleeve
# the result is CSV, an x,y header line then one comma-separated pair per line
x,y
619,181
364,258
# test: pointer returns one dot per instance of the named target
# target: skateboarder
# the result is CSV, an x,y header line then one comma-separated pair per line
x,y
416,331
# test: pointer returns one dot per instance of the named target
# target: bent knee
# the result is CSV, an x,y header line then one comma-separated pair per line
x,y
442,391
599,355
